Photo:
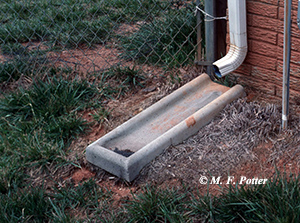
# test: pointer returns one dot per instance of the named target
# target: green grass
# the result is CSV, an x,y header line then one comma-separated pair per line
x,y
118,80
70,23
276,201
24,206
132,10
21,62
37,125
37,205
127,76
13,69
167,36
156,205
169,40
61,22
45,101
13,49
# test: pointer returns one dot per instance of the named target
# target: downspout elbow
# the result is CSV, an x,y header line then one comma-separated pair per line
x,y
238,39
233,59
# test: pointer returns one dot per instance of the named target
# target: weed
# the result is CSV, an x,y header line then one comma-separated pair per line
x,y
117,80
228,81
101,115
128,76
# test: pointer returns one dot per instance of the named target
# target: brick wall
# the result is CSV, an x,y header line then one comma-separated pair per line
x,y
262,68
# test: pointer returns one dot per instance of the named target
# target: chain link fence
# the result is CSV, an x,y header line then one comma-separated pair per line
x,y
49,37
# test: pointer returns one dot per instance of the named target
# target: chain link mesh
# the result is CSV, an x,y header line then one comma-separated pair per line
x,y
48,37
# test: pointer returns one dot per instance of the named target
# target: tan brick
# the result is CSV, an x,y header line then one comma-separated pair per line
x,y
295,32
271,2
262,68
295,42
295,57
267,23
262,9
294,96
269,89
262,48
281,14
294,4
294,78
244,69
266,75
262,34
294,68
261,61
294,83
260,85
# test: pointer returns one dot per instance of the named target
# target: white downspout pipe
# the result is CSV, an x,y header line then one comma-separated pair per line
x,y
238,39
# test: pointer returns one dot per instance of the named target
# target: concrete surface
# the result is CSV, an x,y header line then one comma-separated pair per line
x,y
128,148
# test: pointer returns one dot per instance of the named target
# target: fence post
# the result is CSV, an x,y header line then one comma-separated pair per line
x,y
199,34
210,35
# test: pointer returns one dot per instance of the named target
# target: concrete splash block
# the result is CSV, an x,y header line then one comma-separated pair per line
x,y
128,148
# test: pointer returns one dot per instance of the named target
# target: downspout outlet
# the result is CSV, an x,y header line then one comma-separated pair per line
x,y
238,39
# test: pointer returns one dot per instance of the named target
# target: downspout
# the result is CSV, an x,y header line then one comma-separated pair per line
x,y
238,39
